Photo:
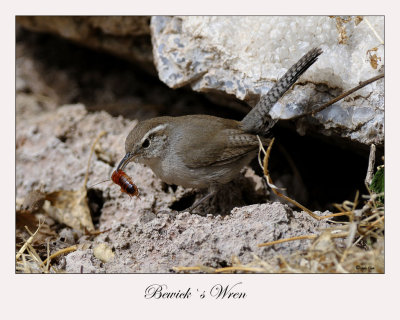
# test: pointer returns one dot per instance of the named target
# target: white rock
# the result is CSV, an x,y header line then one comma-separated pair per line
x,y
244,56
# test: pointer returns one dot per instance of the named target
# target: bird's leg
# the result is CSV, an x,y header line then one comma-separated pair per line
x,y
211,192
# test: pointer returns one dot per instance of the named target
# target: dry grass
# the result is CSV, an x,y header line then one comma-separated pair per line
x,y
361,249
67,207
361,252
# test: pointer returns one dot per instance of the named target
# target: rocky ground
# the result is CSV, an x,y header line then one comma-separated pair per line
x,y
145,234
64,102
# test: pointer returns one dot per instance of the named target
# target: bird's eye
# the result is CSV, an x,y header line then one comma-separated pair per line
x,y
146,143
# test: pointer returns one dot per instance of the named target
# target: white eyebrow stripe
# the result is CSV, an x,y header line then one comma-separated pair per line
x,y
160,127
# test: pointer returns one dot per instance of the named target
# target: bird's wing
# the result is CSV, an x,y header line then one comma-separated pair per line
x,y
217,149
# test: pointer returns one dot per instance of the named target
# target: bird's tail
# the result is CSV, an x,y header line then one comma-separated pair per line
x,y
258,119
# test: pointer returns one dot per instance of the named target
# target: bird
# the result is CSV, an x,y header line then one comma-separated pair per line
x,y
203,151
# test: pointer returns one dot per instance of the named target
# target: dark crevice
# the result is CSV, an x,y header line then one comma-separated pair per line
x,y
331,173
219,263
62,138
332,169
167,187
104,82
183,203
95,202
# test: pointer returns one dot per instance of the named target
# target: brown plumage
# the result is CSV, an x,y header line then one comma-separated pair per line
x,y
202,151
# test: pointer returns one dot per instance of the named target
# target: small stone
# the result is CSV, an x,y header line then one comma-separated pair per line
x,y
103,252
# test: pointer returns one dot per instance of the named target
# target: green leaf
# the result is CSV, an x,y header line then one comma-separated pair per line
x,y
378,182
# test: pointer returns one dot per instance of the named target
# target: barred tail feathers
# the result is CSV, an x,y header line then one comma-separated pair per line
x,y
258,119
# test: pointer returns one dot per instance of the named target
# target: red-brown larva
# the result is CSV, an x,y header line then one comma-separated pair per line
x,y
120,178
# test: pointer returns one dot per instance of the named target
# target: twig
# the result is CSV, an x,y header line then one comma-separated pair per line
x,y
48,254
371,165
353,224
26,268
95,232
246,269
32,252
264,165
369,231
373,30
374,216
274,188
65,250
343,95
197,268
178,269
102,133
304,237
368,228
28,242
271,243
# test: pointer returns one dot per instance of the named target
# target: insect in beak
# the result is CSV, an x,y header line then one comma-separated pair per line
x,y
120,178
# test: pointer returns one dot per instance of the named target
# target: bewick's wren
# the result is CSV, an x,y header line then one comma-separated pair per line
x,y
201,151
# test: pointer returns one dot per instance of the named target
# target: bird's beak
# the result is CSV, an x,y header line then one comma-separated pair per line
x,y
128,157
